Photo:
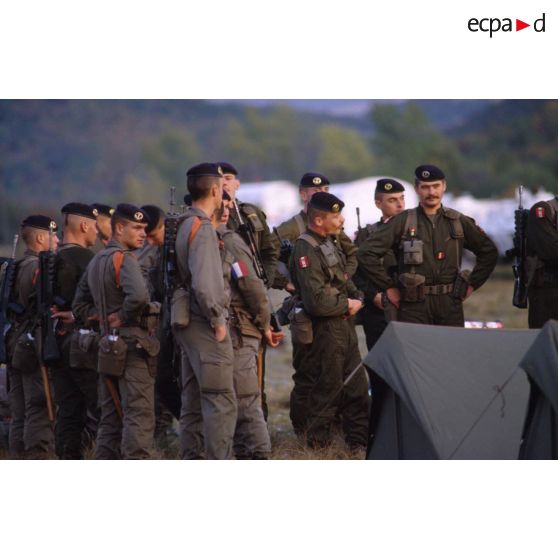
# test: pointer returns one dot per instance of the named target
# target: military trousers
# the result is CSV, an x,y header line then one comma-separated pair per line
x,y
209,408
442,310
331,357
129,437
251,437
75,393
31,432
303,381
543,305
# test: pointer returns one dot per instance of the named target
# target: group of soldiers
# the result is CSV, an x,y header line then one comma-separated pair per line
x,y
153,316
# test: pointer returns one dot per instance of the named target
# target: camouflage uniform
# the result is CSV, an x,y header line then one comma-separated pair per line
x,y
208,415
249,318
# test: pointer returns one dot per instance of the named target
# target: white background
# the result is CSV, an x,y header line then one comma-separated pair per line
x,y
288,49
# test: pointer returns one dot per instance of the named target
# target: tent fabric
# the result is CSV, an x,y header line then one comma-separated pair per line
x,y
458,393
540,363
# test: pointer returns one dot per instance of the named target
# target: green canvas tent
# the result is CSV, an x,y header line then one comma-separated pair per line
x,y
455,393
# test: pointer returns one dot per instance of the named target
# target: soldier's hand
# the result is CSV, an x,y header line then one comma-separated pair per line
x,y
114,320
354,306
378,301
469,292
66,317
273,338
394,296
290,288
220,332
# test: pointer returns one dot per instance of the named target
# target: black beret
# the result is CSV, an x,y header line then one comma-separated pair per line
x,y
188,200
227,168
429,173
205,169
325,201
40,222
388,186
103,209
313,180
154,215
82,209
132,213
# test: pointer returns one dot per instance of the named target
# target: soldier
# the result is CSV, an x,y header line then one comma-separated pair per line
x,y
208,415
31,433
542,246
167,392
249,323
389,198
266,243
330,300
104,214
75,388
287,232
428,243
115,290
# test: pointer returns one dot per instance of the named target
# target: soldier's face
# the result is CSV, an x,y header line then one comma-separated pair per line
x,y
133,234
430,193
391,204
307,193
333,223
231,184
226,212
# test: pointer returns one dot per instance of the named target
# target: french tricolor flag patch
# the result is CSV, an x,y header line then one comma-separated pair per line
x,y
539,212
303,262
240,269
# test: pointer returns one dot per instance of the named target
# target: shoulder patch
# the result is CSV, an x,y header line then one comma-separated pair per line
x,y
539,212
239,269
303,262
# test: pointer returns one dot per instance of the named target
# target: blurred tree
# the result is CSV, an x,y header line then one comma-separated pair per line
x,y
343,154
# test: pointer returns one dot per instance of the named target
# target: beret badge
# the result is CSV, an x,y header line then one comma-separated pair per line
x,y
388,186
138,215
425,174
317,180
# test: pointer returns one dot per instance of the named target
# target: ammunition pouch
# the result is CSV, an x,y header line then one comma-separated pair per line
x,y
25,354
412,287
180,308
461,285
149,348
413,252
301,326
84,346
111,360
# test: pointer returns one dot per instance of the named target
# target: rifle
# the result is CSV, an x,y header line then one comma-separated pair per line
x,y
7,276
247,233
358,219
45,335
519,252
169,259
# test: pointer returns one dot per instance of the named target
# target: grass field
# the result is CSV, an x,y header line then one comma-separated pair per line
x,y
491,302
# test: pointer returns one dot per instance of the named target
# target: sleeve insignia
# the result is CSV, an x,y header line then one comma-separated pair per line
x,y
539,212
303,262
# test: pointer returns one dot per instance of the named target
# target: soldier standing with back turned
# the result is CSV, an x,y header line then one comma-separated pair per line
x,y
75,389
208,414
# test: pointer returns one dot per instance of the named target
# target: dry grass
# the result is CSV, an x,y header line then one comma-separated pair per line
x,y
491,302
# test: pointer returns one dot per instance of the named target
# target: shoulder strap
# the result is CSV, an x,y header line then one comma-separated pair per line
x,y
300,223
117,259
103,309
194,230
310,239
411,222
454,218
